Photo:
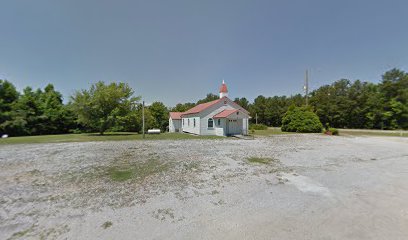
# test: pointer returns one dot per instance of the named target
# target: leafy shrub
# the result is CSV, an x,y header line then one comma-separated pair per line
x,y
334,131
301,119
76,131
258,127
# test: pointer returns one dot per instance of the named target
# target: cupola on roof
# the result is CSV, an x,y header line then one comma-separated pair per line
x,y
223,88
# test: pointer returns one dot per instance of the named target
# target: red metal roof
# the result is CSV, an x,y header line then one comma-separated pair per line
x,y
176,115
225,113
201,107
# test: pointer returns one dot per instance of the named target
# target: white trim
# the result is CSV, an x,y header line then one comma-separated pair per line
x,y
208,123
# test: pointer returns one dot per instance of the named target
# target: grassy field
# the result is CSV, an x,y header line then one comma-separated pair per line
x,y
270,131
362,132
343,132
121,136
90,137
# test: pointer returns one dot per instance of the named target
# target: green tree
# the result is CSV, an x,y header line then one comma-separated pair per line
x,y
26,117
101,105
394,93
160,114
131,122
35,112
182,107
271,110
301,119
243,102
375,104
332,103
210,97
59,118
258,110
8,95
276,108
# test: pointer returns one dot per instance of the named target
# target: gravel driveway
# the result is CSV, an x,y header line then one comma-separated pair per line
x,y
307,187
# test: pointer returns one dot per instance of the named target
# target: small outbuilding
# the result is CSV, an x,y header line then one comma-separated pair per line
x,y
175,121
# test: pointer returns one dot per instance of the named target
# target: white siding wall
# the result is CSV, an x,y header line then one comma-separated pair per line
x,y
234,126
218,129
245,126
174,125
190,128
171,125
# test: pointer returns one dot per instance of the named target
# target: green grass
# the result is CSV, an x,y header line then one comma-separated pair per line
x,y
137,171
385,133
120,175
344,132
270,131
107,224
259,160
21,234
121,136
91,137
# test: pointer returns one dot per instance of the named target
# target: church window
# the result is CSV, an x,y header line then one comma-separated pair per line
x,y
210,123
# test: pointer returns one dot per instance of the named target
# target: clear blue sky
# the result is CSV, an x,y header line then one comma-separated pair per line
x,y
177,51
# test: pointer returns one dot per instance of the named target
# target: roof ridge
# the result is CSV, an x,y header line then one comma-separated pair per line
x,y
202,106
226,112
208,102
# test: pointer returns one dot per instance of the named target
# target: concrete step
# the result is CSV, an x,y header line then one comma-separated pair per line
x,y
243,137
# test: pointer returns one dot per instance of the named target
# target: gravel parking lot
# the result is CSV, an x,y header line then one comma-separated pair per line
x,y
279,187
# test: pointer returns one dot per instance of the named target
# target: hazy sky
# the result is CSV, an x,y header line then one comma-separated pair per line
x,y
177,51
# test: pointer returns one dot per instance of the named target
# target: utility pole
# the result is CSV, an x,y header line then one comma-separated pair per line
x,y
143,120
306,87
256,118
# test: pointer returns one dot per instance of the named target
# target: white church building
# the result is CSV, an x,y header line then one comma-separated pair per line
x,y
221,117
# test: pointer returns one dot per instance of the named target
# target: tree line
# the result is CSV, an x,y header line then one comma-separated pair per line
x,y
113,107
104,107
346,104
